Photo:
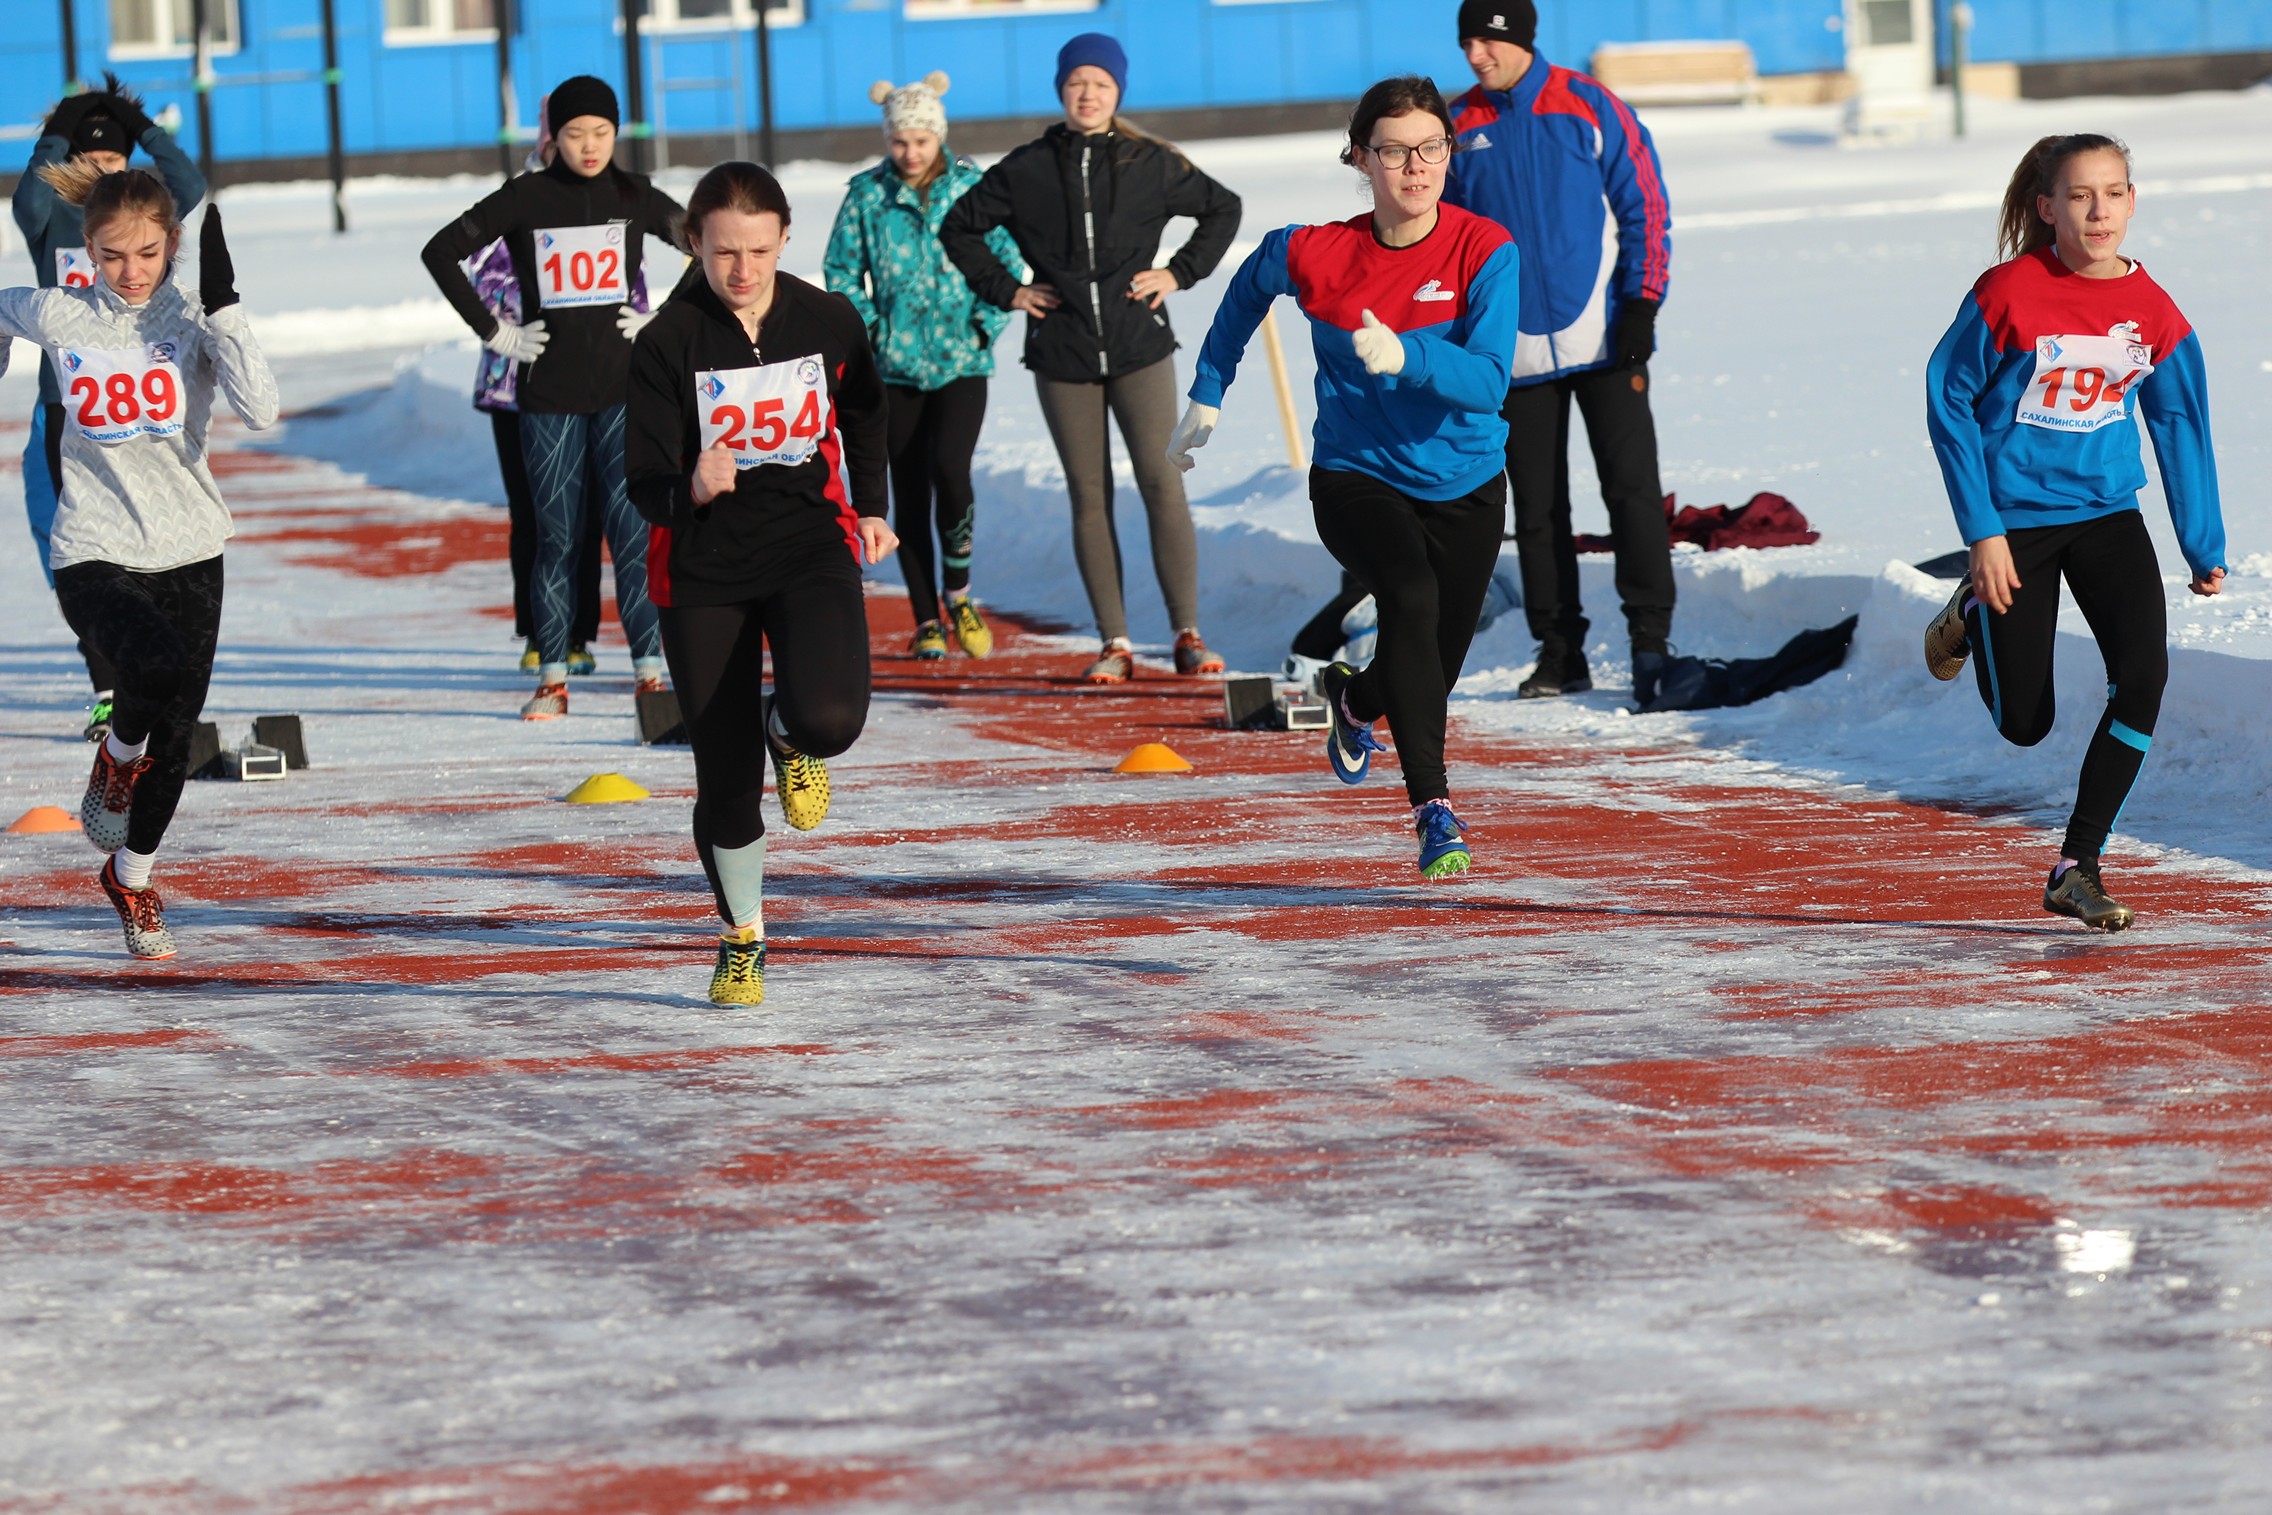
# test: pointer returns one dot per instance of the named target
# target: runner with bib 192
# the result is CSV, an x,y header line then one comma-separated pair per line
x,y
757,452
2030,400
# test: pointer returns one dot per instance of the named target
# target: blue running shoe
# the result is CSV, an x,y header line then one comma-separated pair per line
x,y
1349,746
1443,849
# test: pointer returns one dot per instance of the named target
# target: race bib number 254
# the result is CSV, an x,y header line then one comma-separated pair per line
x,y
774,413
2083,383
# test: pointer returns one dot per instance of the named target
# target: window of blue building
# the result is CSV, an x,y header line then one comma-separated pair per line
x,y
160,28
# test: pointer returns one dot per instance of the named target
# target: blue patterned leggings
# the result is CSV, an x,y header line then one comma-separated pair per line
x,y
560,450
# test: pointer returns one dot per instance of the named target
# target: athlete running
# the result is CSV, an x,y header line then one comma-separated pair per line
x,y
934,344
100,128
1412,314
2029,399
756,445
576,232
136,542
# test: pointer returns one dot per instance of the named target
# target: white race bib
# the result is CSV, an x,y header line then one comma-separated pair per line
x,y
770,414
115,395
581,265
73,268
2084,383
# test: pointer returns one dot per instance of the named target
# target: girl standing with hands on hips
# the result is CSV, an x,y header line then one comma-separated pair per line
x,y
1412,312
934,344
756,445
1086,204
575,231
2029,399
136,542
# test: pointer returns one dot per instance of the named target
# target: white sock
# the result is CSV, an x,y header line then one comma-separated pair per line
x,y
741,878
121,752
779,732
103,694
131,868
1118,644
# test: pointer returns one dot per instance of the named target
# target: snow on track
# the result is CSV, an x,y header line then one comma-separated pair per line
x,y
1106,1143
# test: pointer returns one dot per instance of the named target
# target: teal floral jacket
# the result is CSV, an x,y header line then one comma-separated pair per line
x,y
884,256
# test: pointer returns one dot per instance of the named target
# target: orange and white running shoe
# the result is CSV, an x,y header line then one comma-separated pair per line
x,y
141,912
549,703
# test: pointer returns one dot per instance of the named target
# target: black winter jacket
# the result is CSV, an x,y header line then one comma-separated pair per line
x,y
586,356
738,546
1087,212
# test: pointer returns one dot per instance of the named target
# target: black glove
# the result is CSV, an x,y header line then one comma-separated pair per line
x,y
64,120
1636,333
127,111
216,275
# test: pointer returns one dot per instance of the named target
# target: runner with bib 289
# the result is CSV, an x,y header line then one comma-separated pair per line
x,y
1412,311
757,450
575,231
2030,400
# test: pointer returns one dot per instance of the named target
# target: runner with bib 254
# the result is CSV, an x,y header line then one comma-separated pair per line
x,y
2030,399
757,453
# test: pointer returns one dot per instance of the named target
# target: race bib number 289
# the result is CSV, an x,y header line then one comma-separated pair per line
x,y
774,413
2083,383
115,396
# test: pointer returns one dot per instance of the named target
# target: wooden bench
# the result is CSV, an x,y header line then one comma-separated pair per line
x,y
1678,73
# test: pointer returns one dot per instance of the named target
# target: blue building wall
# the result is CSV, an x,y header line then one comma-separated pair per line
x,y
1182,53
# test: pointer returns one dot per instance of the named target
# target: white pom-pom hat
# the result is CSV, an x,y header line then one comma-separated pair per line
x,y
912,107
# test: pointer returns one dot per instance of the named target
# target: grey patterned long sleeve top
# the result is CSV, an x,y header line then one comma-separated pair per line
x,y
138,384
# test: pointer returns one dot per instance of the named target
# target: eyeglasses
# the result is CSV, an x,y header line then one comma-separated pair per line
x,y
1393,154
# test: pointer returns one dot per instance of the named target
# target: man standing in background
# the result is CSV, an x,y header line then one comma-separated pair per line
x,y
1565,167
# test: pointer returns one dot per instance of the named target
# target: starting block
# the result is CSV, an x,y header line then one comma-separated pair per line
x,y
1254,702
275,747
660,723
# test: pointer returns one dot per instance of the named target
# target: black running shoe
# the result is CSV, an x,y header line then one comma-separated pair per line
x,y
2077,893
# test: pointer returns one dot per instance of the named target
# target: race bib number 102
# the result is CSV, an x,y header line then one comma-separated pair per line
x,y
2083,383
116,395
580,265
770,414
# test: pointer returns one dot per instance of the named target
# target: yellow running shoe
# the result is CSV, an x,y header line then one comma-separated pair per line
x,y
970,627
739,978
531,659
930,642
800,782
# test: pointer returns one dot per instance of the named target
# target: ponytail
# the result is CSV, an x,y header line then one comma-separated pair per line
x,y
2020,229
103,198
1128,131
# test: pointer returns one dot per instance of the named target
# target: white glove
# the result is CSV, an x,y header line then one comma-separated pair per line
x,y
632,322
1197,425
1381,350
523,344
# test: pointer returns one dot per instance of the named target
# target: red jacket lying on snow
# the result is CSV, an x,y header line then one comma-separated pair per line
x,y
1767,520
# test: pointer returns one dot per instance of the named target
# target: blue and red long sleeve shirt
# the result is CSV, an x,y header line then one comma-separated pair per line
x,y
1571,173
2032,400
1434,429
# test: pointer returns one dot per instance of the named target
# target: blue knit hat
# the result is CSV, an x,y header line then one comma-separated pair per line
x,y
1093,48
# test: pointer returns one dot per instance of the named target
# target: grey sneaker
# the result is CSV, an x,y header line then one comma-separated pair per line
x,y
2077,893
141,912
109,800
1947,643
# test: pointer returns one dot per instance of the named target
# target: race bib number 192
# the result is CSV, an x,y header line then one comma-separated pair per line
x,y
116,395
770,414
2083,383
580,265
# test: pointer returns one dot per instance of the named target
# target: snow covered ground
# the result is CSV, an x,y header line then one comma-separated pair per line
x,y
1738,1137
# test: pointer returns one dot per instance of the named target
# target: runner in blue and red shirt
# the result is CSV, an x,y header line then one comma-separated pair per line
x,y
2030,400
1412,314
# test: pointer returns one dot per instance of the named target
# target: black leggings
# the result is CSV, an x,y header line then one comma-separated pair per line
x,y
817,624
1623,436
1428,565
520,538
933,433
2109,564
100,673
159,631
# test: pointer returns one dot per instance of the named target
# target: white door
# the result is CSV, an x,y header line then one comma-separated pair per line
x,y
1889,46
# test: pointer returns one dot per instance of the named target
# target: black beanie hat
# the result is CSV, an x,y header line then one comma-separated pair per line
x,y
98,133
1513,21
582,96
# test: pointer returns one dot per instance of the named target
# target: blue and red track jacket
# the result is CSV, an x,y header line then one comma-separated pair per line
x,y
1433,430
2029,402
1566,167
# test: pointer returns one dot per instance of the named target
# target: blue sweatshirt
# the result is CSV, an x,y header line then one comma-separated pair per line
x,y
1433,430
2031,395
